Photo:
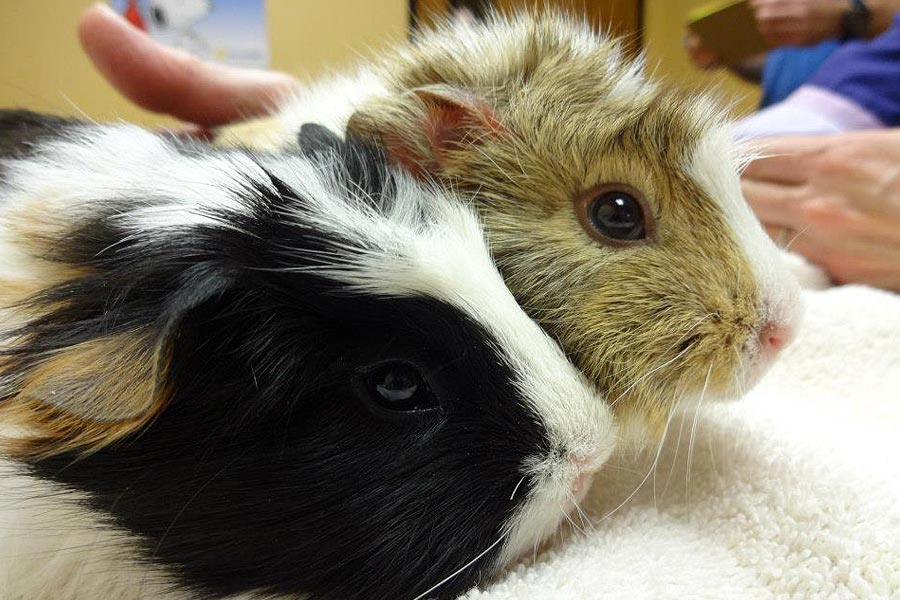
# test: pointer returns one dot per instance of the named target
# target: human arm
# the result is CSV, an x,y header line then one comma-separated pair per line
x,y
804,22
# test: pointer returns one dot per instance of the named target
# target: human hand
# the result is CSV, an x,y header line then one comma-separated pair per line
x,y
839,195
168,81
799,22
701,55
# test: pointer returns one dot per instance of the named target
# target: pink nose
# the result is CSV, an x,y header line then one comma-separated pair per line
x,y
584,462
587,466
773,337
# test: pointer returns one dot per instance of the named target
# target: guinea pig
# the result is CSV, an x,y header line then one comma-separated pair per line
x,y
612,204
227,374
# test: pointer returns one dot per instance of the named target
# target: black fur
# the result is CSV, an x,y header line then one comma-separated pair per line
x,y
21,130
269,470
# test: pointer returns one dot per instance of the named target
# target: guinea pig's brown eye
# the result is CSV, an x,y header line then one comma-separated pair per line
x,y
614,214
399,386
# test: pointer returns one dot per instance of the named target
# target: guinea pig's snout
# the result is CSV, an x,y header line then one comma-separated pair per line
x,y
776,331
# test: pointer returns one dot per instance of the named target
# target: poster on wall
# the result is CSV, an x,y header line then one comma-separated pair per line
x,y
227,31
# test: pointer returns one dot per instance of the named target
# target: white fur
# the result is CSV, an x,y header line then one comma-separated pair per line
x,y
53,547
779,291
95,165
329,102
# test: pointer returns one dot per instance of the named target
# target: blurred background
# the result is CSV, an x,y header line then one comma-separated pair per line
x,y
43,67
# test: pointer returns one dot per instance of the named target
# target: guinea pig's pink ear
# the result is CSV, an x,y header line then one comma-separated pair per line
x,y
425,130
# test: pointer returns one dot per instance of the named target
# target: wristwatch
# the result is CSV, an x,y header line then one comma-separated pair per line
x,y
855,22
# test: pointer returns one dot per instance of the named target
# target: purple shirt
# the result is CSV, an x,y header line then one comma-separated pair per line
x,y
866,72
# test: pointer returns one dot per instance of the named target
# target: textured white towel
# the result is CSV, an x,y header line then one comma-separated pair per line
x,y
793,492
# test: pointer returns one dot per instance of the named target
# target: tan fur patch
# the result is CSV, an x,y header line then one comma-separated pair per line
x,y
87,396
32,229
650,324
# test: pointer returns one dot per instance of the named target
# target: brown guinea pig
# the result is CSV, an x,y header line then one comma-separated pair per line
x,y
612,204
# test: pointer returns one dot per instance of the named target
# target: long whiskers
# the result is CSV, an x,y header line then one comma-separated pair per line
x,y
500,539
794,239
665,364
572,522
462,568
690,456
646,477
672,411
648,374
585,520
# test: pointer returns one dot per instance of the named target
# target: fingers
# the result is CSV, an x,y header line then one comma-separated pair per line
x,y
773,203
784,33
860,264
786,159
779,22
167,81
852,247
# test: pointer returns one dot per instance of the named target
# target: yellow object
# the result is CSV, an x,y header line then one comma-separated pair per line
x,y
664,32
701,12
729,29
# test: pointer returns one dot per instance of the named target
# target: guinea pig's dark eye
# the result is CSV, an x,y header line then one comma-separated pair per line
x,y
398,386
614,214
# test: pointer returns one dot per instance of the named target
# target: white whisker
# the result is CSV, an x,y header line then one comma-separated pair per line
x,y
516,489
572,523
461,569
690,456
585,520
663,441
645,376
644,480
794,239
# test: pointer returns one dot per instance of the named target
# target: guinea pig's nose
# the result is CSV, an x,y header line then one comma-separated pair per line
x,y
584,462
773,337
586,465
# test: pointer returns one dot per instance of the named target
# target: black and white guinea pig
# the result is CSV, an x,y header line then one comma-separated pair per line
x,y
245,376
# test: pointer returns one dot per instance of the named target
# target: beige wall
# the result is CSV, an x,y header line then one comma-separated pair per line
x,y
42,66
663,31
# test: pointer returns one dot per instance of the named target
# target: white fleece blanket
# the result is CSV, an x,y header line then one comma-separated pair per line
x,y
793,492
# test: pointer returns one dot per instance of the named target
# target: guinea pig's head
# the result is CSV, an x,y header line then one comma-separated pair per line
x,y
290,375
612,205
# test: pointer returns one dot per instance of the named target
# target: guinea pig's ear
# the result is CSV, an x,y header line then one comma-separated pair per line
x,y
421,130
74,381
316,139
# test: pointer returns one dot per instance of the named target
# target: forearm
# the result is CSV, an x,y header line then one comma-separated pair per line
x,y
883,12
